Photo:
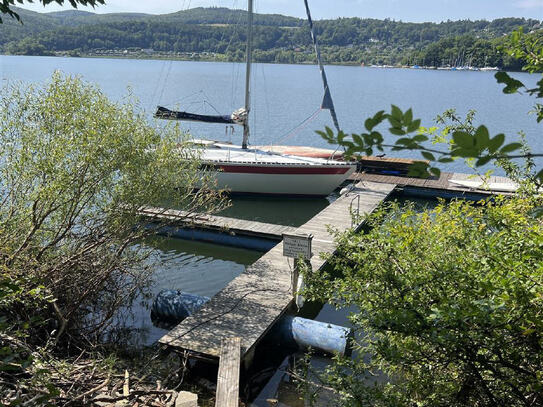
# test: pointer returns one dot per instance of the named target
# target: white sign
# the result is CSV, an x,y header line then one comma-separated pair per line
x,y
297,245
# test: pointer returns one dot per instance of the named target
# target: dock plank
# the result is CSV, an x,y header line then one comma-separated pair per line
x,y
442,183
251,303
217,223
228,377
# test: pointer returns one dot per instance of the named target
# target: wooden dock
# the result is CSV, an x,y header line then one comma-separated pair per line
x,y
219,224
250,304
433,184
228,376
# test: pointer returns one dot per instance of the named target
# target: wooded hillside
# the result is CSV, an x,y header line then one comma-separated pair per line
x,y
221,33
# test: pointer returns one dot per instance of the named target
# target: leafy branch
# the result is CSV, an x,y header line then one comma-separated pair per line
x,y
463,139
477,145
6,6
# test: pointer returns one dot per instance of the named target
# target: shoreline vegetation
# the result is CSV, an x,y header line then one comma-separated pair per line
x,y
73,258
204,58
219,34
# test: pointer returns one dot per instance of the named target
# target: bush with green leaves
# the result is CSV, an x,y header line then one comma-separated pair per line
x,y
75,170
449,301
449,306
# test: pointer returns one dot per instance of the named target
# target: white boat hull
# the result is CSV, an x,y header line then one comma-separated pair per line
x,y
281,184
260,172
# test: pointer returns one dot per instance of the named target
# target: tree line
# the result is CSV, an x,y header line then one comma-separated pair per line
x,y
277,38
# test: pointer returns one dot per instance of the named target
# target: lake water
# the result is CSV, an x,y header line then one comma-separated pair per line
x,y
193,267
286,95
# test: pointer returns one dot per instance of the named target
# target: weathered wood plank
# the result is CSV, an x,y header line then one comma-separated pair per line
x,y
228,377
218,223
251,303
441,183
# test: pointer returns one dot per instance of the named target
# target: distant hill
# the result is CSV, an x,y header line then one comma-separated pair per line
x,y
69,14
221,33
78,17
223,15
198,15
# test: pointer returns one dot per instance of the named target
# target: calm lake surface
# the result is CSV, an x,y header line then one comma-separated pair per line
x,y
197,268
284,96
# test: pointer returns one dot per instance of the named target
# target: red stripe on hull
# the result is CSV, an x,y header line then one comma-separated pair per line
x,y
243,169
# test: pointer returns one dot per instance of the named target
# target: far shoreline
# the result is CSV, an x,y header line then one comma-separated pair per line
x,y
212,60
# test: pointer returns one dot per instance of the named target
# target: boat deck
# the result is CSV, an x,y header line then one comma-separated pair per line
x,y
250,304
234,154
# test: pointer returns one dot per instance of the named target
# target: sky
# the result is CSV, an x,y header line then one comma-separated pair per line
x,y
405,10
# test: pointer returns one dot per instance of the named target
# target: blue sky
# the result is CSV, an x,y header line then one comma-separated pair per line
x,y
406,10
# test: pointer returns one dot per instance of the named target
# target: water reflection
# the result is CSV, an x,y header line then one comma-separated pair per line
x,y
196,268
288,212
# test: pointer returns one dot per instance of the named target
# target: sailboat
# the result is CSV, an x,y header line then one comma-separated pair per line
x,y
243,170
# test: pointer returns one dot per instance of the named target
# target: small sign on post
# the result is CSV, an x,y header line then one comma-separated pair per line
x,y
298,247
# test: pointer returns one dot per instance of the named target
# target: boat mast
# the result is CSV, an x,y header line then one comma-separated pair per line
x,y
248,73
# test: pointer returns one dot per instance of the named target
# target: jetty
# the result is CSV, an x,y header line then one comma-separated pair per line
x,y
218,223
447,185
251,303
202,227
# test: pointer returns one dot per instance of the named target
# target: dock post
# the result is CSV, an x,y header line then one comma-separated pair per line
x,y
297,281
229,370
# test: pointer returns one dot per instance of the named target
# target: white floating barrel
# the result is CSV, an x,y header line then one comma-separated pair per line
x,y
175,305
318,335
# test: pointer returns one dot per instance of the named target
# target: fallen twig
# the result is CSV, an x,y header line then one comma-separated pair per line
x,y
91,391
134,394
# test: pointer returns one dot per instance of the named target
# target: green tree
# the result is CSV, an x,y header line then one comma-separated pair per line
x,y
449,306
27,46
75,170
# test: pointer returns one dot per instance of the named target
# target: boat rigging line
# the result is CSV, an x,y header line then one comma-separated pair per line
x,y
165,82
302,125
168,64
